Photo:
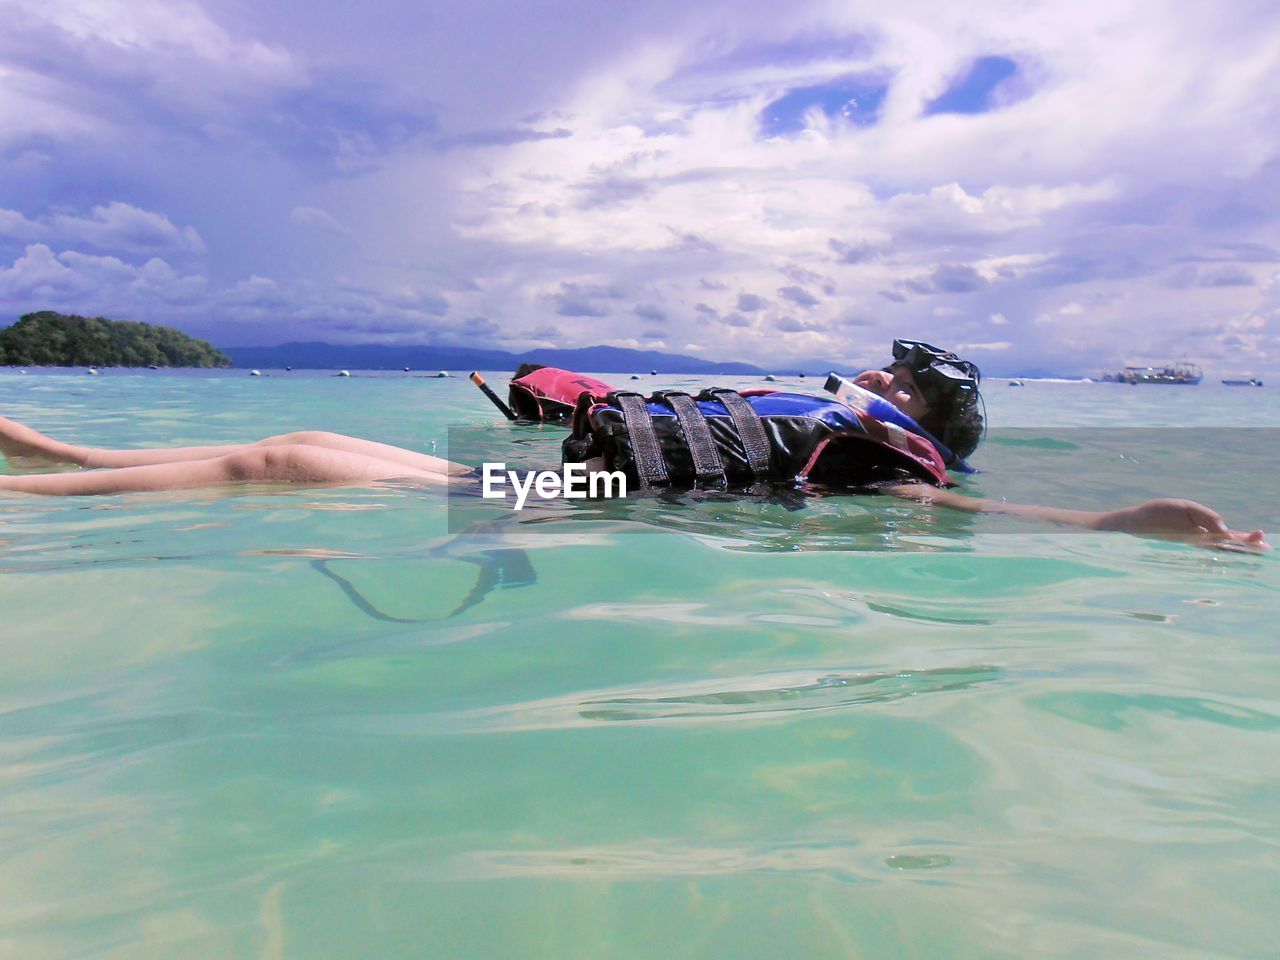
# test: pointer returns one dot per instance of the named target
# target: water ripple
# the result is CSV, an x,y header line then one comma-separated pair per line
x,y
778,694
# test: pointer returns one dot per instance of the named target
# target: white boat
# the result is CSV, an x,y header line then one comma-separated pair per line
x,y
1181,373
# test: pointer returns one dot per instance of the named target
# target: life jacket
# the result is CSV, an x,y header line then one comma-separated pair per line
x,y
722,439
548,394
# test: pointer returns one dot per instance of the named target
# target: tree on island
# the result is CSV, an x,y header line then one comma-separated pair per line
x,y
54,339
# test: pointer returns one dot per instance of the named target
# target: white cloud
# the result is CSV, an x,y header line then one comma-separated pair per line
x,y
39,279
14,224
114,226
121,226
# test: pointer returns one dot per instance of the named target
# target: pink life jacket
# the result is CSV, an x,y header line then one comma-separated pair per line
x,y
550,394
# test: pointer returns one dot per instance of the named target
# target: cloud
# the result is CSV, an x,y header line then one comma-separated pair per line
x,y
253,310
40,279
788,324
648,311
116,226
948,278
583,299
622,167
1227,276
851,253
799,296
120,226
499,138
482,327
14,224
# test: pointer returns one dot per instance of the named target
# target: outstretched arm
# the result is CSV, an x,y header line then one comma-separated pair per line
x,y
1165,518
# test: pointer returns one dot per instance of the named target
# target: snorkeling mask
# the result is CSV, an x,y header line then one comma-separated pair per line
x,y
941,376
948,383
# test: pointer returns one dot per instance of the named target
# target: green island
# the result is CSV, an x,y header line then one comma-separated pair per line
x,y
49,339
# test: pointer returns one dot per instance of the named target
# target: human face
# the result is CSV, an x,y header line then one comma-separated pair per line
x,y
898,387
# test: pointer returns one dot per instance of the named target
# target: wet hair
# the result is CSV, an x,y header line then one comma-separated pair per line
x,y
959,425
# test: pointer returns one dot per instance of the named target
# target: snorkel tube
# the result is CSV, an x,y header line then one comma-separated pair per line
x,y
863,400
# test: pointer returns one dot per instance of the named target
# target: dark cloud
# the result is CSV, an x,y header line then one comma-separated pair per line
x,y
853,252
482,327
736,320
790,324
799,296
1067,269
499,138
1238,253
893,295
424,302
706,284
705,310
652,335
750,303
583,299
1227,276
947,278
348,122
957,278
855,319
690,243
651,313
802,277
369,327
568,305
612,191
1252,252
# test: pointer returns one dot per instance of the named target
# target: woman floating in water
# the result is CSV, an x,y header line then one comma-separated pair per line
x,y
936,390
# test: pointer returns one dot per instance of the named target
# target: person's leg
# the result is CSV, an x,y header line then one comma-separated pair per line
x,y
22,442
369,448
18,440
276,464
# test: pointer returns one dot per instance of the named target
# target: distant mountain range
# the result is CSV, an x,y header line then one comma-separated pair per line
x,y
334,356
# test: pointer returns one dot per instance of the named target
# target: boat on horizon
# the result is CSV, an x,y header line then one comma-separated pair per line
x,y
1181,373
1251,382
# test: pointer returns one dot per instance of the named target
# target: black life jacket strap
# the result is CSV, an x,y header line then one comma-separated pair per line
x,y
707,465
650,467
750,430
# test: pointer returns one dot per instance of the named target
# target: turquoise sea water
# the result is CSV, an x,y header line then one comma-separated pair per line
x,y
314,723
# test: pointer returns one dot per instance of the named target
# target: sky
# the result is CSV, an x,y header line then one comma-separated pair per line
x,y
1040,186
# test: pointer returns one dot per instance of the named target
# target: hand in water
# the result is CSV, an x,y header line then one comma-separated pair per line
x,y
1184,520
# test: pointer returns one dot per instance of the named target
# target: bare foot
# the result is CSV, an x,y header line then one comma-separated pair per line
x,y
23,446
